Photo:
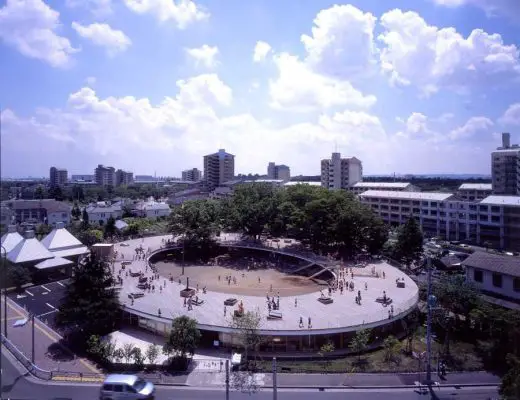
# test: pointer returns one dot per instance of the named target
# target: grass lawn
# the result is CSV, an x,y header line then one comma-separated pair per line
x,y
464,358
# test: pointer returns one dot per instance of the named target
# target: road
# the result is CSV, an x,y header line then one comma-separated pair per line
x,y
16,386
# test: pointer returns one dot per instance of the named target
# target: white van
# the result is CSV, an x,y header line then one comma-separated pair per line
x,y
126,387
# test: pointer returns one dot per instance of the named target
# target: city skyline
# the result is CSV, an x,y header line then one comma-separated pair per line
x,y
408,88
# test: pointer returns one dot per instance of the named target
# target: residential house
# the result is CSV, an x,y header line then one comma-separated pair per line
x,y
42,211
152,209
101,212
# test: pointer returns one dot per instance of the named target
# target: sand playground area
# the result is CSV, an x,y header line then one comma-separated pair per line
x,y
257,282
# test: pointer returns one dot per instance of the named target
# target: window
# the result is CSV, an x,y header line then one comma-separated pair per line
x,y
516,284
497,280
477,276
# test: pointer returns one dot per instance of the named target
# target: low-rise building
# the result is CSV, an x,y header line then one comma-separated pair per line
x,y
361,187
187,195
474,191
43,211
311,183
101,212
10,239
152,209
494,274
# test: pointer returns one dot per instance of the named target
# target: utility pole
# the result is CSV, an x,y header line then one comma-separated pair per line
x,y
4,276
430,300
227,379
275,389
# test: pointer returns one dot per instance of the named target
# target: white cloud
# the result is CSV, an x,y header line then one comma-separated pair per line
x,y
91,81
181,12
416,126
342,41
473,126
507,8
114,41
415,53
298,88
31,27
205,55
98,8
512,115
261,50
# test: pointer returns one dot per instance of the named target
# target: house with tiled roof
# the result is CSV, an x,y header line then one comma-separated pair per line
x,y
495,274
41,211
101,212
152,209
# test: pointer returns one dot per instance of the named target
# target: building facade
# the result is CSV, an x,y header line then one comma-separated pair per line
x,y
474,191
124,177
192,175
101,212
83,178
494,221
218,168
341,173
58,176
505,168
361,187
46,211
105,176
282,172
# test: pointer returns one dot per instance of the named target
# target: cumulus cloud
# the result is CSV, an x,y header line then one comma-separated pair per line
x,y
114,41
473,126
298,88
261,50
32,27
204,55
512,115
182,13
431,58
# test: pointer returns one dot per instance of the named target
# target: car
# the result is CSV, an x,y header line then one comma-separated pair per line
x,y
126,387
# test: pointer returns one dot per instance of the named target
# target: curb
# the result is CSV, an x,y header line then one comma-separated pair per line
x,y
320,388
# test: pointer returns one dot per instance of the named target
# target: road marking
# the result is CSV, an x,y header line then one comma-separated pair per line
x,y
29,293
46,288
47,313
61,284
54,308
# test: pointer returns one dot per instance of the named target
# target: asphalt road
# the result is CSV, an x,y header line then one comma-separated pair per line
x,y
16,386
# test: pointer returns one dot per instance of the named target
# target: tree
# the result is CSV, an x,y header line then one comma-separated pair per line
x,y
409,246
360,342
391,348
91,304
510,386
152,353
184,337
17,275
110,227
128,351
90,236
138,358
84,217
326,349
247,328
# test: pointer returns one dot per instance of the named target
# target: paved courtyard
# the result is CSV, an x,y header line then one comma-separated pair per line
x,y
342,315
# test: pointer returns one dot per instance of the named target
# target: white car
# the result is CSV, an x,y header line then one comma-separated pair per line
x,y
126,387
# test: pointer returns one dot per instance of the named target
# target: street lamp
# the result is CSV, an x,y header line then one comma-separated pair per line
x,y
4,275
430,303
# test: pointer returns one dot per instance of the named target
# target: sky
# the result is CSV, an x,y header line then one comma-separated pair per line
x,y
150,86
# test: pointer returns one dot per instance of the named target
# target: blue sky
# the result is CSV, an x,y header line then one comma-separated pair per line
x,y
407,86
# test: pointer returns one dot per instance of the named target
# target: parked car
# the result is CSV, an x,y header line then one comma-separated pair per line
x,y
126,387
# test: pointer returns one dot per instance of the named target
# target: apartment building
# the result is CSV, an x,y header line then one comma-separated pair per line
x,y
494,220
474,191
341,173
361,187
58,176
124,177
105,176
505,167
278,172
192,175
494,274
84,178
218,168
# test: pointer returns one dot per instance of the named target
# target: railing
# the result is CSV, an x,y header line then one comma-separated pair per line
x,y
33,369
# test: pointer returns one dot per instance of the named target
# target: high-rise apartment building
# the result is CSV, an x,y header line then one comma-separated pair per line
x,y
193,175
124,177
505,167
341,173
105,176
218,168
282,172
57,176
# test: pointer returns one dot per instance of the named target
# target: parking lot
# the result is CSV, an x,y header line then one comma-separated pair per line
x,y
42,300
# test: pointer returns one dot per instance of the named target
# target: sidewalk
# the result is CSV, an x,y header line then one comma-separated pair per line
x,y
48,354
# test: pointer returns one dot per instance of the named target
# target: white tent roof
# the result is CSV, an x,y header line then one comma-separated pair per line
x,y
29,249
60,239
53,262
11,239
76,251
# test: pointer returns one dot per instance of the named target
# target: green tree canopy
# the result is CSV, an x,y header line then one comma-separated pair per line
x,y
184,337
409,246
90,305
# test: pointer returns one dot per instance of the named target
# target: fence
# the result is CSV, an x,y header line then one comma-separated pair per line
x,y
33,369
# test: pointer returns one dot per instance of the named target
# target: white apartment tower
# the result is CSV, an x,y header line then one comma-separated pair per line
x,y
105,176
341,173
505,168
193,175
281,172
57,176
218,168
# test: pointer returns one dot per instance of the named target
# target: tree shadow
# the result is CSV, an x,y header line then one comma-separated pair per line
x,y
57,352
7,388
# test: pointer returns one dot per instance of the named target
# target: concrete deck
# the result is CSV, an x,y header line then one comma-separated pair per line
x,y
343,315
